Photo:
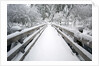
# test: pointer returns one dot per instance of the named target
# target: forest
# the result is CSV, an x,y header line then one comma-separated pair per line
x,y
49,32
75,16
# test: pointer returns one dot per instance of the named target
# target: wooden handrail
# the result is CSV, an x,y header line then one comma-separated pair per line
x,y
16,36
83,53
87,42
31,45
20,47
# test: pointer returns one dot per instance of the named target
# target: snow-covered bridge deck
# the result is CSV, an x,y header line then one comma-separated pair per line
x,y
51,47
51,43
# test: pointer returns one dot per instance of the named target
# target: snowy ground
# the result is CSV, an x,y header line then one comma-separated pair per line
x,y
51,47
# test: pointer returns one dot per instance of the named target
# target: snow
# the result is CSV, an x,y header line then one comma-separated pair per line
x,y
51,47
19,55
83,50
13,49
77,34
83,36
16,28
17,47
78,48
87,32
23,31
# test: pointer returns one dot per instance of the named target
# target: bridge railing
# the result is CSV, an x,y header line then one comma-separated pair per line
x,y
81,37
66,34
16,36
20,47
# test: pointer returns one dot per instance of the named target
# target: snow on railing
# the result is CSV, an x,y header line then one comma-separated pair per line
x,y
21,47
84,39
17,35
80,50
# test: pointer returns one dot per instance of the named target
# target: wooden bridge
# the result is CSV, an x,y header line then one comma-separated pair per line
x,y
48,42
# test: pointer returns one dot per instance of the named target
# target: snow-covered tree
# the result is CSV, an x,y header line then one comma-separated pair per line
x,y
22,14
32,14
